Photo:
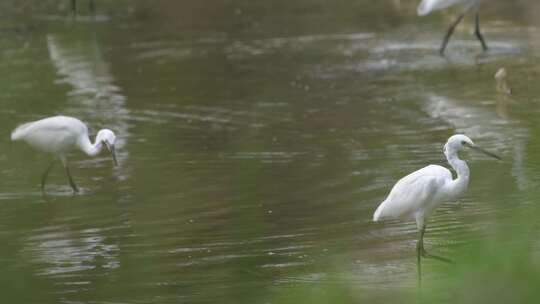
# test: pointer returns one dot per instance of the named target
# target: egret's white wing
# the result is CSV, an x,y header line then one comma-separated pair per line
x,y
29,129
51,134
413,193
50,125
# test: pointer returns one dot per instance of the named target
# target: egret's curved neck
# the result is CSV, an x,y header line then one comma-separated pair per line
x,y
459,185
91,149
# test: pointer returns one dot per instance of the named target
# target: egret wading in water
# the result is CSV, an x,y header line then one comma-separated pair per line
x,y
60,134
418,194
428,6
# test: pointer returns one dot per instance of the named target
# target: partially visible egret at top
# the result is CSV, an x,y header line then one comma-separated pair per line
x,y
428,6
418,194
60,134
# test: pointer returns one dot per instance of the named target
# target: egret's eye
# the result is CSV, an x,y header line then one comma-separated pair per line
x,y
463,143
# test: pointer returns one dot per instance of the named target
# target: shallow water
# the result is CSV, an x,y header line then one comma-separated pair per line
x,y
255,142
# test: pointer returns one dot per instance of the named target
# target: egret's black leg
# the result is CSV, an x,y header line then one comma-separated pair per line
x,y
478,33
436,257
450,32
71,182
45,174
427,255
73,7
420,252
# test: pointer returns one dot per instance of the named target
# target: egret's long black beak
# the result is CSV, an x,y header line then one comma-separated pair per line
x,y
477,148
113,152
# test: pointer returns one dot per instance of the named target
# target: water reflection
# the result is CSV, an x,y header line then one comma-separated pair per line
x,y
64,251
490,125
260,153
93,97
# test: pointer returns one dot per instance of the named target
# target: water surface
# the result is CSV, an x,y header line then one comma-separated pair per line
x,y
255,142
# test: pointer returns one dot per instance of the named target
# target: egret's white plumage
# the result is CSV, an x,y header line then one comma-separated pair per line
x,y
427,6
418,194
406,198
60,134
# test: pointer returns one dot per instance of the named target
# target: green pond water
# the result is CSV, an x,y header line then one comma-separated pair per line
x,y
255,140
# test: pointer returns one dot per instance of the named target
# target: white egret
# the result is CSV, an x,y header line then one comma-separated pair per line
x,y
427,6
60,134
418,194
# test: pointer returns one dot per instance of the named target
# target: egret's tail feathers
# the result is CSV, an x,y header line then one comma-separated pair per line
x,y
19,132
377,214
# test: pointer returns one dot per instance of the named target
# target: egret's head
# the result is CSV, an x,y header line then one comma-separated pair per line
x,y
457,142
107,138
460,141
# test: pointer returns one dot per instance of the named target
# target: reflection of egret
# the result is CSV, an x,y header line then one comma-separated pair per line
x,y
502,84
60,134
91,6
427,6
93,93
419,193
504,97
63,250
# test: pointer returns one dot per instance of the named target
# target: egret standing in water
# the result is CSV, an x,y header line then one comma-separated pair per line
x,y
418,194
60,134
427,6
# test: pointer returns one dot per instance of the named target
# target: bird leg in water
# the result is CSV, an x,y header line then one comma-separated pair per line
x,y
73,6
436,257
422,253
419,249
450,32
71,182
478,33
45,174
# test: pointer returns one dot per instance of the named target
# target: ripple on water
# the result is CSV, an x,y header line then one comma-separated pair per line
x,y
239,49
62,251
346,131
94,18
198,117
